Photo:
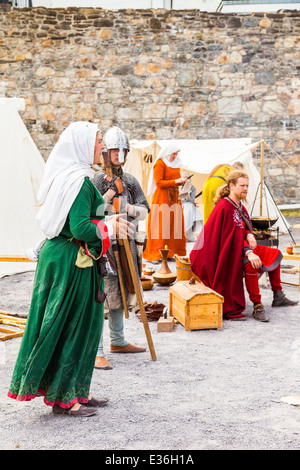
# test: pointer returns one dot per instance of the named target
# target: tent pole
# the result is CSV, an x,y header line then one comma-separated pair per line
x,y
154,158
280,215
261,174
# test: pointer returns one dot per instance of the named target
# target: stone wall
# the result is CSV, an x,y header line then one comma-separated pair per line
x,y
160,74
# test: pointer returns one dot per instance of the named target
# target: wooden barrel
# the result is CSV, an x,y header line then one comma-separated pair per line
x,y
183,268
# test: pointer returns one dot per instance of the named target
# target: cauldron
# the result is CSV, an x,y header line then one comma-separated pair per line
x,y
263,223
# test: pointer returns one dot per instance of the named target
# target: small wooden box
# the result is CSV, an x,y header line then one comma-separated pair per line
x,y
196,306
165,324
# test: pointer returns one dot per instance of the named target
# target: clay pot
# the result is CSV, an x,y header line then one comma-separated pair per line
x,y
289,249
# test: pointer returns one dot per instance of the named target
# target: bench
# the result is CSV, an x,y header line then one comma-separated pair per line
x,y
292,258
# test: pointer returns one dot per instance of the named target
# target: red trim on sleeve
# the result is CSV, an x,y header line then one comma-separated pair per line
x,y
101,226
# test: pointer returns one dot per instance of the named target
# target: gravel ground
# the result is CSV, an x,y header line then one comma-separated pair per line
x,y
207,390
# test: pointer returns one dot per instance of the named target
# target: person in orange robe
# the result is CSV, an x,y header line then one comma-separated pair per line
x,y
165,225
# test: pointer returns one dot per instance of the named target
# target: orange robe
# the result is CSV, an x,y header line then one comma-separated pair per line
x,y
165,221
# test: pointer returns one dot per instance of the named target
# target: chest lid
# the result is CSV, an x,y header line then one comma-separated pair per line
x,y
196,291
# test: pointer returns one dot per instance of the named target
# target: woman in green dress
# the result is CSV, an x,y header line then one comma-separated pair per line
x,y
57,354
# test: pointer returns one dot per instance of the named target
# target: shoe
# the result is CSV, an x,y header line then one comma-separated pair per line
x,y
102,363
128,348
83,411
280,300
97,402
259,313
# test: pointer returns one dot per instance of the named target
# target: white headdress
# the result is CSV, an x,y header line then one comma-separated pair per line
x,y
164,154
68,164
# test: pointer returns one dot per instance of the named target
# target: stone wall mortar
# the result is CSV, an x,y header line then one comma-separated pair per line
x,y
160,74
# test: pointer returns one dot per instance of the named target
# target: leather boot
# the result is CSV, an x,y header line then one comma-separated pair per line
x,y
102,363
129,348
259,313
97,402
82,411
280,300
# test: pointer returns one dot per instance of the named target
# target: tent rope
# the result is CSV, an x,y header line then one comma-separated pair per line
x,y
277,155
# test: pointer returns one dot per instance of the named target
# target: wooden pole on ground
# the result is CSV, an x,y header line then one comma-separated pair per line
x,y
139,298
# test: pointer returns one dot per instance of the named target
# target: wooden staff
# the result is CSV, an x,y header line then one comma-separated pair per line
x,y
139,298
121,281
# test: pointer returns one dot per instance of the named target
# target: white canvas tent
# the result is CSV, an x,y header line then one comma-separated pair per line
x,y
21,171
199,157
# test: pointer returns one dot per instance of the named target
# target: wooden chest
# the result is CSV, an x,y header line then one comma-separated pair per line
x,y
196,306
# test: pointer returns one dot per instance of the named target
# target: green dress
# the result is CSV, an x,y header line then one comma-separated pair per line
x,y
57,354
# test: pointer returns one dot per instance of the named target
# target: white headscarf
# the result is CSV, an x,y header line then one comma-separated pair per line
x,y
164,154
68,164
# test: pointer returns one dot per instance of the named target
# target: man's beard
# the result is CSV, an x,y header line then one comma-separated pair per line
x,y
242,196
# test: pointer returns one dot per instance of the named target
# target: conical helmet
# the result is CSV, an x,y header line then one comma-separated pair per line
x,y
115,138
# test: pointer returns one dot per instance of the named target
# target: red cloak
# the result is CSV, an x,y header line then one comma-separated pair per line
x,y
219,254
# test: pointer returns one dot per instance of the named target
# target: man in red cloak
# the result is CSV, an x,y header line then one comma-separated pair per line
x,y
226,250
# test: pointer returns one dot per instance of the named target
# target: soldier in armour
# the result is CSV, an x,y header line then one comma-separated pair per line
x,y
122,193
